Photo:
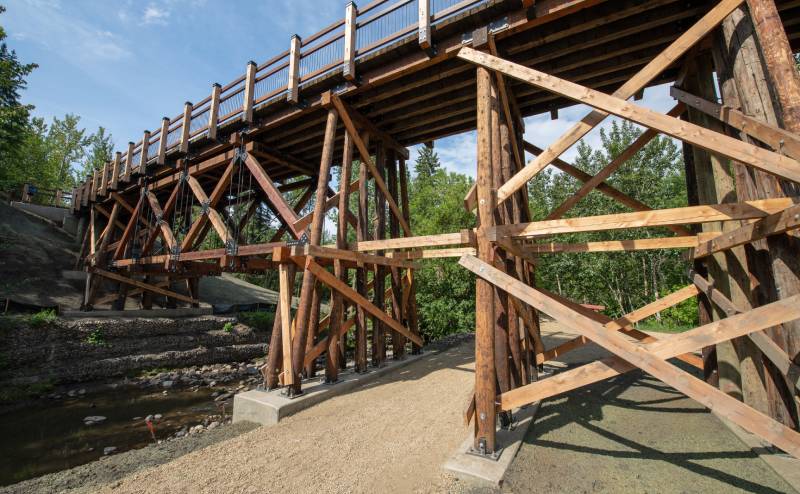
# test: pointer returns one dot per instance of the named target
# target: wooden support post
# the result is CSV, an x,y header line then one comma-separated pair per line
x,y
398,340
95,185
313,329
186,127
162,141
745,71
293,88
362,235
410,308
213,111
379,297
309,280
485,391
424,30
249,92
332,362
286,280
350,33
129,162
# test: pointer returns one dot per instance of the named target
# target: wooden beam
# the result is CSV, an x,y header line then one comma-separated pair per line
x,y
659,217
367,160
687,242
331,202
410,242
126,235
210,214
287,215
325,277
641,79
774,224
129,162
651,361
722,144
776,355
144,155
348,255
161,224
629,152
778,139
286,280
145,286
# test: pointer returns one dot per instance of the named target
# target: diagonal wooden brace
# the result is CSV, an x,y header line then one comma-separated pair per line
x,y
651,358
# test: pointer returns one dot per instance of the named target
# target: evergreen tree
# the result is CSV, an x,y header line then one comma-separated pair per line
x,y
13,114
427,163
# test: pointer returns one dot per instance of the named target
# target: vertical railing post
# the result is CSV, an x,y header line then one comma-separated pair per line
x,y
293,88
187,124
349,59
87,190
115,171
424,24
104,180
95,185
162,142
249,92
213,112
129,163
143,154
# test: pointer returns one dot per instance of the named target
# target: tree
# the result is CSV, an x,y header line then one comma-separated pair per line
x,y
427,163
66,144
102,147
13,114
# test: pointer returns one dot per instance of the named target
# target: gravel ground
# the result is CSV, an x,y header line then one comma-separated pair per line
x,y
630,434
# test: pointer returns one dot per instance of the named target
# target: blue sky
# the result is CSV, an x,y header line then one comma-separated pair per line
x,y
124,64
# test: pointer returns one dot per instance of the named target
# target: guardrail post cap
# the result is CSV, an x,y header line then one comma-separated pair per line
x,y
296,36
251,62
216,84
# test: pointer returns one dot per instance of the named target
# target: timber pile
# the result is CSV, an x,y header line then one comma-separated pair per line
x,y
485,65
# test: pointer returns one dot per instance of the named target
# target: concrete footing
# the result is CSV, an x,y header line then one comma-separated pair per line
x,y
270,407
471,467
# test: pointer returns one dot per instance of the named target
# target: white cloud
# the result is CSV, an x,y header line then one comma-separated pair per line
x,y
66,34
153,14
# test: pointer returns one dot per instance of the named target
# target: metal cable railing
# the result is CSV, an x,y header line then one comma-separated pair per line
x,y
378,25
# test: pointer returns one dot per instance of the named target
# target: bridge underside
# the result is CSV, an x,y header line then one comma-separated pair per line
x,y
164,214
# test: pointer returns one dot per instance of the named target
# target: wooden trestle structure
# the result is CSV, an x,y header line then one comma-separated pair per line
x,y
401,72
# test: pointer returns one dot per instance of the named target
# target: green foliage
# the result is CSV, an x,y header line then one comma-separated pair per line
x,y
228,327
621,281
260,320
445,291
42,318
96,338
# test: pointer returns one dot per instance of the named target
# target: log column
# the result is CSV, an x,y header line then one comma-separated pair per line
x,y
362,234
756,81
485,391
398,340
304,308
379,281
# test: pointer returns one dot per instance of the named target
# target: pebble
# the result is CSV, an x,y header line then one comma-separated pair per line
x,y
81,392
167,384
93,419
109,450
213,425
157,416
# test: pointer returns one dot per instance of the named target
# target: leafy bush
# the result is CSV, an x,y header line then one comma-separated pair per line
x,y
260,320
42,318
96,338
228,327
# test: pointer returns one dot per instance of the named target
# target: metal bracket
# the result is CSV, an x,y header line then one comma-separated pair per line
x,y
175,253
231,247
498,25
481,451
205,206
300,241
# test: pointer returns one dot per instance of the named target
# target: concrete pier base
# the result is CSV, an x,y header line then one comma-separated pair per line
x,y
270,407
471,467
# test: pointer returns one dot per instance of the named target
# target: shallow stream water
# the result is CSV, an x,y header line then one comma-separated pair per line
x,y
51,435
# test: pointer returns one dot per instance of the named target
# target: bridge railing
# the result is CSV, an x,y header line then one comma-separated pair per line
x,y
378,25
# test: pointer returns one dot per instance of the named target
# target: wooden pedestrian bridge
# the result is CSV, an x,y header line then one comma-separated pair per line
x,y
195,195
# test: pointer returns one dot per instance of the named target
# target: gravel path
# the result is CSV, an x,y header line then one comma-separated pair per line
x,y
401,429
